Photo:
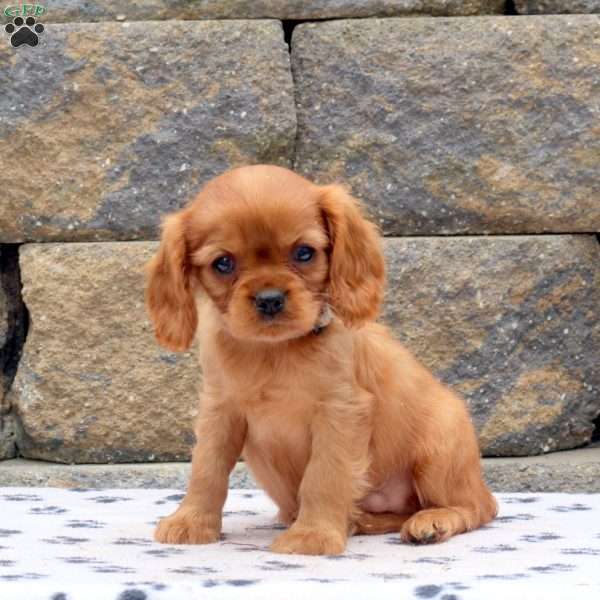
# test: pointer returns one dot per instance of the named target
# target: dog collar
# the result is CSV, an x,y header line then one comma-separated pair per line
x,y
325,318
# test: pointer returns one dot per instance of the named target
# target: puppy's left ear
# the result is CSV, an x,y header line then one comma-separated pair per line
x,y
357,266
169,295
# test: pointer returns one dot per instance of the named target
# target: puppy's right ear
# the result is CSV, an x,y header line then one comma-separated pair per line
x,y
169,295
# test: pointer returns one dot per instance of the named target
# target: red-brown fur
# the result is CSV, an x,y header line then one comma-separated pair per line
x,y
345,430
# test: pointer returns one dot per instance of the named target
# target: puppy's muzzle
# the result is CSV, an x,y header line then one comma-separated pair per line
x,y
269,302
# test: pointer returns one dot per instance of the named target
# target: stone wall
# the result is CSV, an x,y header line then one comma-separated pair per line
x,y
473,142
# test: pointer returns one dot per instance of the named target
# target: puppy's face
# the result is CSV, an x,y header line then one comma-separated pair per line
x,y
270,249
262,254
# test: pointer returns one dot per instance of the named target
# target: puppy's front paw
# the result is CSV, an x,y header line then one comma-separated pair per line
x,y
300,540
187,526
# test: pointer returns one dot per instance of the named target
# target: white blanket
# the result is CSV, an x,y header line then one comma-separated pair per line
x,y
60,544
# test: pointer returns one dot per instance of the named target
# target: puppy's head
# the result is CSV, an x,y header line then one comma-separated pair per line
x,y
271,250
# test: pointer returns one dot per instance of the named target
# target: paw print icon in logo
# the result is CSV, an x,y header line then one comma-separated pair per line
x,y
24,31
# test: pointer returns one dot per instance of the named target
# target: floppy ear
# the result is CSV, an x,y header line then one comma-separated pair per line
x,y
357,267
169,296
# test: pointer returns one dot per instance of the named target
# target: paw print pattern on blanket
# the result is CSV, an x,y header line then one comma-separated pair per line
x,y
66,544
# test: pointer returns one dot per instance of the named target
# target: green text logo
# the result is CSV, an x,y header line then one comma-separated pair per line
x,y
24,10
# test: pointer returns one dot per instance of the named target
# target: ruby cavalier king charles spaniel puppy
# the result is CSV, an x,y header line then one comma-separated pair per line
x,y
342,427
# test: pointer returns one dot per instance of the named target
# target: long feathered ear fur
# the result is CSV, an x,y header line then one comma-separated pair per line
x,y
357,267
169,296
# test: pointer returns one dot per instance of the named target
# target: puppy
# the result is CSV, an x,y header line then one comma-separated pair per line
x,y
341,426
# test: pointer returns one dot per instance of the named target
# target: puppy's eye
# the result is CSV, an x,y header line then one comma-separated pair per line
x,y
303,254
224,264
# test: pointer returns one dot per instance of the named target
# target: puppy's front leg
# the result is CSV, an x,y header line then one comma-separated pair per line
x,y
331,483
221,433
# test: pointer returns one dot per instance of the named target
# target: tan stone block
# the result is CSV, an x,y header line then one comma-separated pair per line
x,y
93,385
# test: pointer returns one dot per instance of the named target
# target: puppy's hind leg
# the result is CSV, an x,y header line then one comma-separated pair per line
x,y
376,523
454,499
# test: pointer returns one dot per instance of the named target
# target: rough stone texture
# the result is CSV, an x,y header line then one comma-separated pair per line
x,y
23,472
93,385
104,128
455,125
8,436
102,10
532,7
12,336
511,322
12,318
573,471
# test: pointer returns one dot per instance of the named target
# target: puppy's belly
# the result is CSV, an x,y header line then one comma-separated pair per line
x,y
396,495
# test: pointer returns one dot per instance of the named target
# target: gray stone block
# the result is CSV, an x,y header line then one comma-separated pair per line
x,y
448,126
119,124
512,323
573,471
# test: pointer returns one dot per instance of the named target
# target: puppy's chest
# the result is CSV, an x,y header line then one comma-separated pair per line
x,y
279,417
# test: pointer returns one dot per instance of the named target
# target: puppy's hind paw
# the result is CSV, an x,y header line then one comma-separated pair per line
x,y
431,526
187,526
298,540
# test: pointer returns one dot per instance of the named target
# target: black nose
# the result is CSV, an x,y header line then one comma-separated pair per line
x,y
270,302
